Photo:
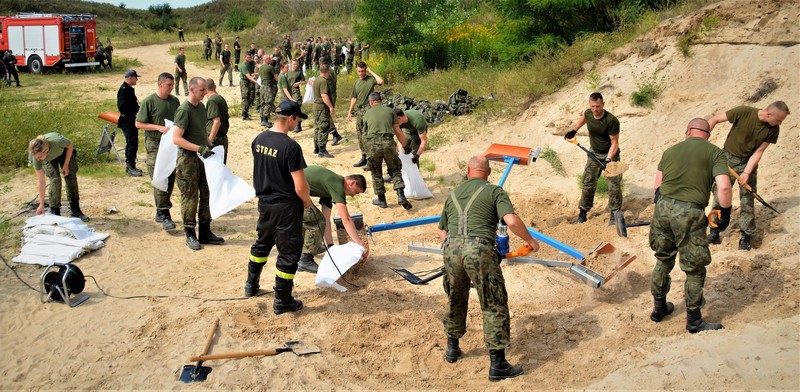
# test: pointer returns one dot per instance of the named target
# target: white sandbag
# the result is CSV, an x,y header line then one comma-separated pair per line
x,y
50,239
309,96
226,190
345,256
166,160
415,184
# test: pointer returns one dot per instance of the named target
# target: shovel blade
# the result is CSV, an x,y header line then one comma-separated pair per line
x,y
193,373
300,348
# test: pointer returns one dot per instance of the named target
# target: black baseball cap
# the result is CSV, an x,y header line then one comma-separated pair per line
x,y
130,73
290,108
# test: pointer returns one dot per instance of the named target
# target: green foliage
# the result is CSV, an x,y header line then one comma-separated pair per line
x,y
239,20
551,157
401,68
163,19
689,38
593,80
122,6
602,185
428,165
647,90
436,140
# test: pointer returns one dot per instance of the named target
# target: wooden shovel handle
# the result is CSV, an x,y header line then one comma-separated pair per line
x,y
210,338
243,354
736,176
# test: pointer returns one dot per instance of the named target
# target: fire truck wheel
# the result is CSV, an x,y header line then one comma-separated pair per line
x,y
35,64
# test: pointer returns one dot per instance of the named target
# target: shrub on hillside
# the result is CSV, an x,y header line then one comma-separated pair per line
x,y
239,20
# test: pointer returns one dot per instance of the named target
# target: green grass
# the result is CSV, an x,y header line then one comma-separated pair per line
x,y
647,90
436,140
593,80
428,165
142,203
551,156
689,38
602,185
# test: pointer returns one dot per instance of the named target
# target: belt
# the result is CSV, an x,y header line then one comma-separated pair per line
x,y
682,203
472,239
380,137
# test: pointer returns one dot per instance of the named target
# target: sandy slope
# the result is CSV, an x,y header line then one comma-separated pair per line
x,y
387,334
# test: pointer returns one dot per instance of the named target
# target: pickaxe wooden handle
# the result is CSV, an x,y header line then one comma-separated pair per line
x,y
749,189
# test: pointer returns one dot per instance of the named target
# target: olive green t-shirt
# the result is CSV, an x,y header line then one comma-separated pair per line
x,y
293,77
283,83
361,90
489,207
325,184
245,68
181,61
748,132
379,121
416,123
688,170
155,110
193,121
57,143
600,131
320,87
267,74
216,106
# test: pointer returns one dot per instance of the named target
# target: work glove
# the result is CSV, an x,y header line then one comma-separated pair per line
x,y
205,152
523,250
407,149
607,160
571,134
415,158
724,218
657,195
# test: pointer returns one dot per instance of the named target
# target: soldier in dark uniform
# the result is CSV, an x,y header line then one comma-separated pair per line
x,y
128,106
207,47
189,134
51,155
180,33
217,46
685,176
469,226
752,132
283,193
604,140
225,66
237,53
156,108
10,62
381,127
359,105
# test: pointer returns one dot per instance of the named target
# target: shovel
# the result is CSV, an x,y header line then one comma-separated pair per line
x,y
197,372
414,279
295,346
759,198
574,140
622,227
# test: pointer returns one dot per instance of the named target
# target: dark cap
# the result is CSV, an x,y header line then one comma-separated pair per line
x,y
130,73
290,108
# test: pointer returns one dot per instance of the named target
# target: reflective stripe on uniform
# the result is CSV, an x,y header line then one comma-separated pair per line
x,y
283,275
257,259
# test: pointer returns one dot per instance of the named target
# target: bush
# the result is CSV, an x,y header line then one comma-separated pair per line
x,y
551,156
239,20
399,68
647,91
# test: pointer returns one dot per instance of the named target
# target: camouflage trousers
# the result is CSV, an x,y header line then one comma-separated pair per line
x,y
162,199
475,260
322,126
222,141
296,95
680,228
248,90
181,76
361,130
190,176
222,71
267,99
52,170
380,149
747,212
591,173
313,230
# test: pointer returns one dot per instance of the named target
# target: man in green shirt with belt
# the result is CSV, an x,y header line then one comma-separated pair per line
x,y
415,128
268,72
153,112
381,127
330,188
180,72
189,134
469,228
323,111
217,122
684,179
752,132
359,104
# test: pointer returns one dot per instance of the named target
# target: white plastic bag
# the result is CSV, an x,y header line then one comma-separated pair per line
x,y
309,96
226,190
166,160
345,256
415,185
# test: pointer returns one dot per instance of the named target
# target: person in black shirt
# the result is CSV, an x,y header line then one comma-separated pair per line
x,y
128,106
283,193
237,53
10,62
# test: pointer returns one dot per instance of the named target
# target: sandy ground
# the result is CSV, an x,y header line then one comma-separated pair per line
x,y
386,333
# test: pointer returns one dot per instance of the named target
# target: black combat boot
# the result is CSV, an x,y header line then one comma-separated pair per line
x,y
284,302
452,353
245,116
337,138
166,220
612,219
75,211
132,171
581,218
323,153
713,236
307,263
191,239
55,210
263,121
695,323
207,237
299,127
268,124
362,162
253,277
380,201
401,199
500,368
661,308
744,242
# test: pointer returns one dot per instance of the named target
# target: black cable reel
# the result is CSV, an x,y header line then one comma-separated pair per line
x,y
58,285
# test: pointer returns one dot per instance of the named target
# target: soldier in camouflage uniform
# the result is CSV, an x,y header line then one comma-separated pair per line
x,y
296,79
217,123
332,86
52,155
207,48
155,109
189,134
752,132
358,104
469,225
685,175
381,127
180,72
331,188
604,141
414,126
247,84
323,112
268,72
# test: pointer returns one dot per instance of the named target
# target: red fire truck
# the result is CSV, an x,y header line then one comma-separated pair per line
x,y
42,41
